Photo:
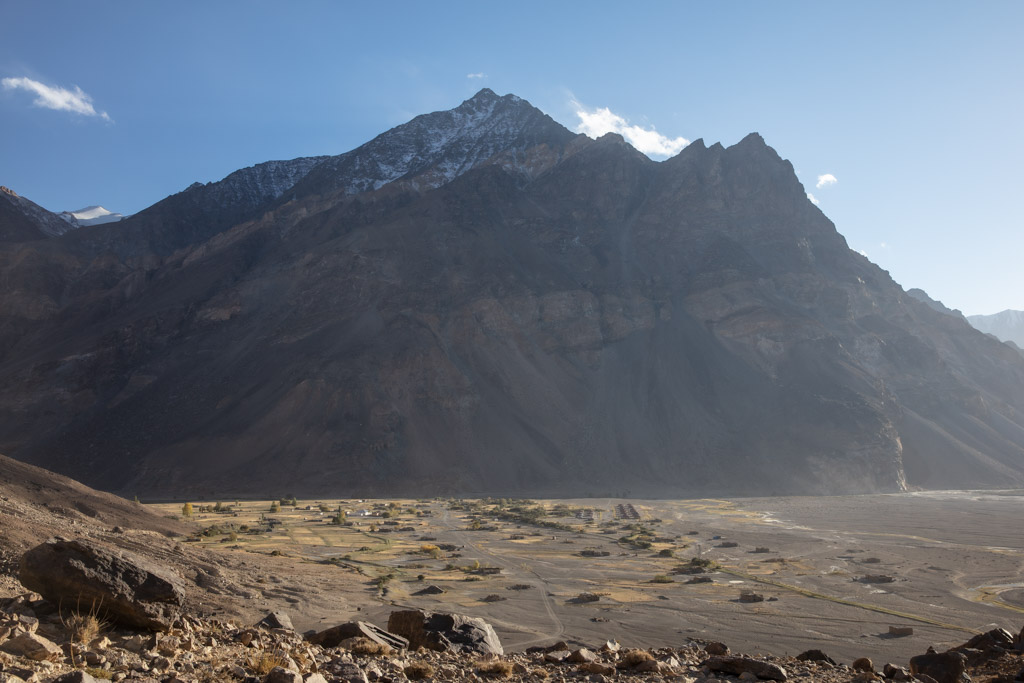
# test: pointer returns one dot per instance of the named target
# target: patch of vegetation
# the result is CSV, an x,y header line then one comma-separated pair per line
x,y
662,578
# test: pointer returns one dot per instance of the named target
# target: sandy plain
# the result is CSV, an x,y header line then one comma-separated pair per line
x,y
823,564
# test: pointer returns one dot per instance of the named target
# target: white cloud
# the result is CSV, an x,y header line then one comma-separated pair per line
x,y
814,200
53,97
476,75
826,179
596,122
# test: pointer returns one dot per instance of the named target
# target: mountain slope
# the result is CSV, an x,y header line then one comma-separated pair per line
x,y
22,220
589,322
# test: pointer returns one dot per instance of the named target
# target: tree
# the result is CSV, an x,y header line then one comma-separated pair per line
x,y
186,510
275,506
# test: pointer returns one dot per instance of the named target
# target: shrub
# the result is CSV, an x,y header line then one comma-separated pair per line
x,y
661,578
186,510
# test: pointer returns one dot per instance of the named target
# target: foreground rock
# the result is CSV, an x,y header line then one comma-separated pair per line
x,y
336,635
445,632
117,585
741,665
944,667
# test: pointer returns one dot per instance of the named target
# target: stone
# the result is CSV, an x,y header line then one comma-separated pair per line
x,y
279,674
316,678
716,648
897,673
75,677
863,664
598,668
33,646
124,587
444,632
430,590
556,656
996,639
901,631
737,665
815,656
276,620
751,596
944,667
333,636
581,656
341,670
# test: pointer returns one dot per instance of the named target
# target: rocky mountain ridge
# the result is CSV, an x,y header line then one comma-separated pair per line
x,y
564,316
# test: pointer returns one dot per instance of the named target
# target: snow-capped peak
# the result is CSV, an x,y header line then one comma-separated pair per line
x,y
90,215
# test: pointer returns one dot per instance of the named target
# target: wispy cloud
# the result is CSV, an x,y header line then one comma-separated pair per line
x,y
476,75
814,200
55,97
596,122
826,179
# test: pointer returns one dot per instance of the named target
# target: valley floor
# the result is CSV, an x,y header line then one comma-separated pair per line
x,y
835,573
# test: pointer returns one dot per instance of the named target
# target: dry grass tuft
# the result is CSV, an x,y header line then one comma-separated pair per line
x,y
418,671
631,658
369,648
84,626
265,662
498,668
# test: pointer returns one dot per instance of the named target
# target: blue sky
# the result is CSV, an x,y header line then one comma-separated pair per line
x,y
914,108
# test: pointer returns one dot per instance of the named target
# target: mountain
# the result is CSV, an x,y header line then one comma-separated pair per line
x,y
90,215
1008,325
480,301
22,220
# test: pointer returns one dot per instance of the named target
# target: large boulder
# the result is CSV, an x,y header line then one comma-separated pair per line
x,y
445,632
119,586
944,667
335,635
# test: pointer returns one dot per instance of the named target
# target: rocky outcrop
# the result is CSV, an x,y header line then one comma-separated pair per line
x,y
335,635
116,585
445,632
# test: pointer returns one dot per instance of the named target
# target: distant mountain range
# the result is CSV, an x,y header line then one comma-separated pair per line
x,y
482,302
22,220
1007,325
